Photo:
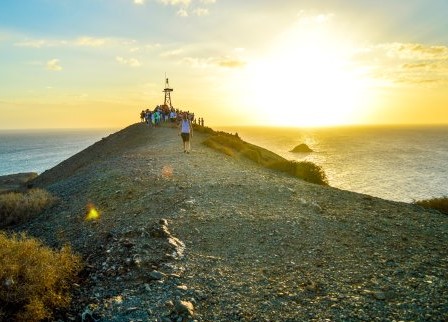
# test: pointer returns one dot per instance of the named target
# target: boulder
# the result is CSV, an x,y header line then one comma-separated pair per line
x,y
302,148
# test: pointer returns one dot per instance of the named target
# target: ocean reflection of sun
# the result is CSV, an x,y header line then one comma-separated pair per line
x,y
308,79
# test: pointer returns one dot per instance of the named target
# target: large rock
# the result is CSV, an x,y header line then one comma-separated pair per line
x,y
184,308
302,148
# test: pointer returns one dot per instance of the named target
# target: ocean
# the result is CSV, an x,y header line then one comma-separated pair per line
x,y
401,163
39,150
395,163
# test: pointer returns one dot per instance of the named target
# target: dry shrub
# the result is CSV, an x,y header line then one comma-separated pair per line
x,y
228,140
17,207
232,145
34,280
252,154
304,170
203,129
218,147
440,204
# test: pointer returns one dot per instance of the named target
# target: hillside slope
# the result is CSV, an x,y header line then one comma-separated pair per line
x,y
223,239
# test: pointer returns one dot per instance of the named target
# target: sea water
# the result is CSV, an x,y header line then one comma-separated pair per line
x,y
403,163
396,163
39,150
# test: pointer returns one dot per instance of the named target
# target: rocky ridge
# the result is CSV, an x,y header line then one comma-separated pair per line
x,y
207,237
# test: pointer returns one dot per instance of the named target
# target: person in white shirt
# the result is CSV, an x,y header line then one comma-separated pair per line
x,y
186,132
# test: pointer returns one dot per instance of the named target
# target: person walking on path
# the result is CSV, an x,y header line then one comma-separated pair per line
x,y
186,132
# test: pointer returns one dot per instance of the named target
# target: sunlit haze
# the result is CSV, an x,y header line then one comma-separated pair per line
x,y
86,64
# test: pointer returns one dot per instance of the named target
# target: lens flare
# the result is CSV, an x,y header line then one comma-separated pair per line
x,y
167,171
92,212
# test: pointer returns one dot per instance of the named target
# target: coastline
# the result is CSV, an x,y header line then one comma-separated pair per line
x,y
352,163
235,240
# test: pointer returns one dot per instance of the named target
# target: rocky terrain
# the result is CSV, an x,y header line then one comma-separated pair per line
x,y
207,237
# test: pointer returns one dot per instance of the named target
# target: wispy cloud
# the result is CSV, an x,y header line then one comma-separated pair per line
x,y
416,51
90,42
171,53
229,62
187,7
201,12
84,41
224,62
307,18
409,63
54,65
175,2
33,43
139,2
131,62
182,13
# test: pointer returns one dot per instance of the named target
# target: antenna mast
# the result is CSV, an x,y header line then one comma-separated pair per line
x,y
167,92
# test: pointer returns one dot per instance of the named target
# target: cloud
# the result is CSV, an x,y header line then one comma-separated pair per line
x,y
200,12
33,43
171,53
195,62
223,62
308,18
131,62
54,65
418,51
229,63
182,13
90,42
416,65
176,2
406,63
152,46
185,4
84,41
139,2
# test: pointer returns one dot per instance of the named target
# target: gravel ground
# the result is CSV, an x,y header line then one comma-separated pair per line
x,y
206,237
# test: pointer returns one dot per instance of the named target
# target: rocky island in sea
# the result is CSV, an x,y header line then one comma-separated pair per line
x,y
214,236
302,148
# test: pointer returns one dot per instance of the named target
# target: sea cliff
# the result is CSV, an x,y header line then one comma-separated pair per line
x,y
207,236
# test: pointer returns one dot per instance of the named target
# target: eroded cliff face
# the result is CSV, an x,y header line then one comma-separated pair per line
x,y
207,237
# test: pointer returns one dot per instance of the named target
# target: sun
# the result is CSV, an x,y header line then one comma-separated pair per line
x,y
308,79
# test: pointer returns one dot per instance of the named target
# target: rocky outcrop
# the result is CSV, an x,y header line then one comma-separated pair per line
x,y
302,148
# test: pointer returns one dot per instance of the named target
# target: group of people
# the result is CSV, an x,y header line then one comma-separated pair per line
x,y
183,120
163,114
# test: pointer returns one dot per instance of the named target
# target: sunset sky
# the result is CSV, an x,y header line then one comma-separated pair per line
x,y
98,63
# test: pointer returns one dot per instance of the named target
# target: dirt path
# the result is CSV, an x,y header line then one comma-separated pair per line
x,y
237,242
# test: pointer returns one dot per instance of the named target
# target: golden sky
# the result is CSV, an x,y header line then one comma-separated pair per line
x,y
97,63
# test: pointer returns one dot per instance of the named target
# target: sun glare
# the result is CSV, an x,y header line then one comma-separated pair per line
x,y
92,213
308,79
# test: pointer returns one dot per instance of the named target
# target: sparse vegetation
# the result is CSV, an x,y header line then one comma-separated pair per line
x,y
233,146
219,147
34,280
304,170
203,129
440,204
17,207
